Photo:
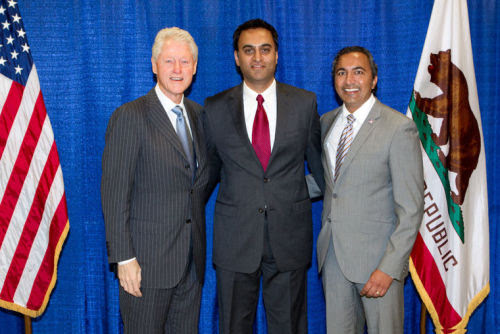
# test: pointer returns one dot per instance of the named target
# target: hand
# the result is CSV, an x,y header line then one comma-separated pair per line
x,y
377,285
130,277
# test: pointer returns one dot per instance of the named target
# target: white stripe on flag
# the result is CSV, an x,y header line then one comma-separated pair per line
x,y
25,201
41,241
5,84
19,127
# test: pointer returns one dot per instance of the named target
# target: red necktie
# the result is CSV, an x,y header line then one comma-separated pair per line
x,y
261,140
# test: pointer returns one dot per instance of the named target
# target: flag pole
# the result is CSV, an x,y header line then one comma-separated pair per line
x,y
423,317
27,324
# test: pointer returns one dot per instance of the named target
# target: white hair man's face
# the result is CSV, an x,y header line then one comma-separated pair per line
x,y
174,68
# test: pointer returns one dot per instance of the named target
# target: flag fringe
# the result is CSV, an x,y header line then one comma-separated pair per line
x,y
458,328
35,313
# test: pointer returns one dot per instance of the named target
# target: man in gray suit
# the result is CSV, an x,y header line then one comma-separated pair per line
x,y
373,203
258,135
153,195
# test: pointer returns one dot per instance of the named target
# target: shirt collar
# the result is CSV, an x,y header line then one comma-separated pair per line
x,y
362,112
166,102
250,94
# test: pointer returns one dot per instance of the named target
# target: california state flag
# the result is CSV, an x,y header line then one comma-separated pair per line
x,y
449,263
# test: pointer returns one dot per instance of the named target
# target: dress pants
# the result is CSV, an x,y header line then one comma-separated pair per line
x,y
347,311
284,296
175,310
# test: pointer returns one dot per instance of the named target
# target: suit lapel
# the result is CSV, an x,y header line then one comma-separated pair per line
x,y
282,107
235,107
200,153
327,124
160,120
364,132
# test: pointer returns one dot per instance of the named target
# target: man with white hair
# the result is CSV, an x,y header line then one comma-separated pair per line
x,y
153,195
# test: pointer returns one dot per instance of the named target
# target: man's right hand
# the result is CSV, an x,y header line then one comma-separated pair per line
x,y
130,277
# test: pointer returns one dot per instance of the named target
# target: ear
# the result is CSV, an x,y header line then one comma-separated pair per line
x,y
195,67
276,57
153,65
374,83
236,58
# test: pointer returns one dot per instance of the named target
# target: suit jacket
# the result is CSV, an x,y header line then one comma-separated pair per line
x,y
374,209
151,205
248,195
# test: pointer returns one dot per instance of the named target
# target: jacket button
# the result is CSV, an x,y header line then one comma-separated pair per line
x,y
261,210
266,180
191,191
188,221
334,195
186,166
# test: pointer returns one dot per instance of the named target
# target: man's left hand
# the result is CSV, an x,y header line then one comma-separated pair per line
x,y
377,285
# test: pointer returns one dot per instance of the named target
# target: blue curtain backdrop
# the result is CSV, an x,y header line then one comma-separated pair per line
x,y
92,56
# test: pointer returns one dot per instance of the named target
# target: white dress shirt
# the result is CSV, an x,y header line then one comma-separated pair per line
x,y
334,137
168,105
250,108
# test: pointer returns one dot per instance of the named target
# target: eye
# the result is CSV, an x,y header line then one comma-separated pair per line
x,y
248,51
169,61
266,50
340,73
359,72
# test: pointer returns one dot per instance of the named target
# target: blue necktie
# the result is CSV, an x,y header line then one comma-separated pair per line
x,y
184,136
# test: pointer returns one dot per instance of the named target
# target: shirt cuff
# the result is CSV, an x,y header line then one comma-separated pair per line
x,y
126,261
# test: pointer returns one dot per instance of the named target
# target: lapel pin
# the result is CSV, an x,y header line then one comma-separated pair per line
x,y
371,121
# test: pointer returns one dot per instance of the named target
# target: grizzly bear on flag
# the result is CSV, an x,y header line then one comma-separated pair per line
x,y
459,127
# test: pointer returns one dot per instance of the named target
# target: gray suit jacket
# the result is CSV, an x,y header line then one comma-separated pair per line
x,y
374,209
248,195
151,206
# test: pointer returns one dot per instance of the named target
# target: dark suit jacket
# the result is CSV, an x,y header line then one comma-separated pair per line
x,y
151,206
247,194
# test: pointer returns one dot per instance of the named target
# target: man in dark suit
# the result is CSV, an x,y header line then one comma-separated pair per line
x,y
153,195
258,135
373,202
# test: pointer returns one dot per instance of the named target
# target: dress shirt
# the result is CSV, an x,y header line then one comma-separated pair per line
x,y
333,139
167,105
250,109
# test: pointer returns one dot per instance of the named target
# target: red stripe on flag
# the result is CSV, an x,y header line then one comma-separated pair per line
x,y
21,166
9,112
46,273
31,226
433,283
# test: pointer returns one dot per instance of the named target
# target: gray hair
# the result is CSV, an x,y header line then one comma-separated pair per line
x,y
176,34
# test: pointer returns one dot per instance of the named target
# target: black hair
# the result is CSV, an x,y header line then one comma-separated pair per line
x,y
254,24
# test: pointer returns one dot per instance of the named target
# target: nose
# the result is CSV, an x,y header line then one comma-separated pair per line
x,y
257,55
177,66
349,77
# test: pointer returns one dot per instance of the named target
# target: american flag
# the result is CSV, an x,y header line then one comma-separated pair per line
x,y
33,213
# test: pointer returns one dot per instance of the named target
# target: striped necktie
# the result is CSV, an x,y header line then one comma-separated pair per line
x,y
184,136
344,144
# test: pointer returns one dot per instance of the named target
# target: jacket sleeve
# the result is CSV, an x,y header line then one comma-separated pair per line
x,y
119,160
313,152
214,162
405,163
